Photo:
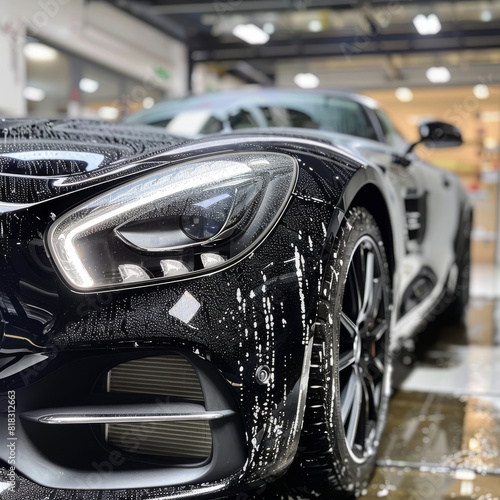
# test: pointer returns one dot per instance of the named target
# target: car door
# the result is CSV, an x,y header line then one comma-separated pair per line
x,y
428,207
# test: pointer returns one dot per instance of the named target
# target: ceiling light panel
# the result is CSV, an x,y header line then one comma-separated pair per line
x,y
250,33
427,25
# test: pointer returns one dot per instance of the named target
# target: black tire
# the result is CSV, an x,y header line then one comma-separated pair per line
x,y
457,301
349,379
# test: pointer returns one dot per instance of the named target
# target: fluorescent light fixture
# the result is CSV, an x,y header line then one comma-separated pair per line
x,y
108,112
39,52
88,85
486,16
306,80
315,25
148,102
427,25
404,94
269,28
251,34
481,91
438,74
34,94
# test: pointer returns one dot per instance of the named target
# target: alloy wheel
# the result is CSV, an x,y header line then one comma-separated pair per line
x,y
362,347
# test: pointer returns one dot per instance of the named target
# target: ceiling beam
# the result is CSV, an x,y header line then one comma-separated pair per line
x,y
352,46
248,6
179,7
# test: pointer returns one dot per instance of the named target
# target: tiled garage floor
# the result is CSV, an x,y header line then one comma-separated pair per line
x,y
442,439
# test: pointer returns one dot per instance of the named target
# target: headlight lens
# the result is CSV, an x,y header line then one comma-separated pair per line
x,y
173,222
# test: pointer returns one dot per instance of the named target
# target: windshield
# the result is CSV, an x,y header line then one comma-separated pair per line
x,y
320,112
193,122
201,115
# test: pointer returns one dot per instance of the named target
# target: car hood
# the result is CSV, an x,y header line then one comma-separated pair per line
x,y
43,159
39,157
73,146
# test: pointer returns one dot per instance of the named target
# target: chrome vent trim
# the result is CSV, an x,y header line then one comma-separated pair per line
x,y
128,413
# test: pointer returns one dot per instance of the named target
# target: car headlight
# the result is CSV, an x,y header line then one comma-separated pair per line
x,y
175,221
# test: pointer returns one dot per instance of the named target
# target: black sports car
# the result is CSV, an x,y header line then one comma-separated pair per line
x,y
188,317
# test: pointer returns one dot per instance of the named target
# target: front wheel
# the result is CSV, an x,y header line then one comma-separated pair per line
x,y
349,379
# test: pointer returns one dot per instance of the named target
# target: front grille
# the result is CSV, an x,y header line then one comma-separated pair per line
x,y
168,375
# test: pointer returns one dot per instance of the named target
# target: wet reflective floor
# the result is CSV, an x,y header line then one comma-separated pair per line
x,y
442,439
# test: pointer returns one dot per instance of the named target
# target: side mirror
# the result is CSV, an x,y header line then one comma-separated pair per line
x,y
438,135
433,135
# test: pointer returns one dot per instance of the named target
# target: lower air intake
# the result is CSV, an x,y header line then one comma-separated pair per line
x,y
172,376
165,439
168,375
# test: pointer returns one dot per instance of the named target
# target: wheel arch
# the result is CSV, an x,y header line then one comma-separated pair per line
x,y
367,194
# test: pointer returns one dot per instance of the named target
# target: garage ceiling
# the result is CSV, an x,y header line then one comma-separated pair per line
x,y
333,36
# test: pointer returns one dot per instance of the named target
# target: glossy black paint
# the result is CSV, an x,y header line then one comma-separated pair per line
x,y
257,312
278,284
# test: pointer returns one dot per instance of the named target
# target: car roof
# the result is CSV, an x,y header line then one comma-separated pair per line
x,y
217,101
